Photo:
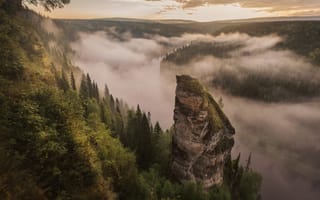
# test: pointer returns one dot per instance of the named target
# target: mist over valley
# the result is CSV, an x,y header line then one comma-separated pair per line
x,y
270,93
159,100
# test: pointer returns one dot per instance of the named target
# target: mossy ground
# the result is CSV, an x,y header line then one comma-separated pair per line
x,y
191,85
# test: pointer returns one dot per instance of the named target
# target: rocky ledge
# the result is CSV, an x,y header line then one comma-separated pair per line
x,y
203,135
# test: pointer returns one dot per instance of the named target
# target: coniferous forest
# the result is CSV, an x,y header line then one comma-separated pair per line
x,y
63,137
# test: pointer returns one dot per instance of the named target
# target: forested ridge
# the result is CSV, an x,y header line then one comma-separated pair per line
x,y
256,84
61,137
300,36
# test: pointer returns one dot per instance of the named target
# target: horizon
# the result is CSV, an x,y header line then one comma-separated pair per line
x,y
160,99
199,11
280,18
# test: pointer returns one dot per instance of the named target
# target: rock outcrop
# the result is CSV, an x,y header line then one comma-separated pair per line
x,y
203,135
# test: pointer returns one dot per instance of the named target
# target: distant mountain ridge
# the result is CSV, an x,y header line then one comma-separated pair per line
x,y
183,21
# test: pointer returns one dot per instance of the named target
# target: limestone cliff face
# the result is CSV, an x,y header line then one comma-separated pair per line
x,y
203,136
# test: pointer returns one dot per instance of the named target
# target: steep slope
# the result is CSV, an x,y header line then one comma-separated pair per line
x,y
202,140
62,139
53,144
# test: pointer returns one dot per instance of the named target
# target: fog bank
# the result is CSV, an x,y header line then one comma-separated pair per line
x,y
130,68
282,137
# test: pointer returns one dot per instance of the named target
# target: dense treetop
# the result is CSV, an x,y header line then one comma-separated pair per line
x,y
62,138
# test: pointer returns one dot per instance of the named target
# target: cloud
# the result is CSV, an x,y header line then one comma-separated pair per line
x,y
182,40
297,6
279,74
283,137
50,27
131,68
284,142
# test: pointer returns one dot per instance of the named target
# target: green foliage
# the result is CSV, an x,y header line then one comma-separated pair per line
x,y
139,137
190,84
84,89
162,150
243,183
261,86
191,191
60,143
10,63
11,6
217,122
62,81
73,82
300,36
220,193
315,56
250,186
185,54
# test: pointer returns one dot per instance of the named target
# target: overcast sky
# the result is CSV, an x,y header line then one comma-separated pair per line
x,y
199,10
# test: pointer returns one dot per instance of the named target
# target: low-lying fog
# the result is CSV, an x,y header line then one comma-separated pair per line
x,y
284,138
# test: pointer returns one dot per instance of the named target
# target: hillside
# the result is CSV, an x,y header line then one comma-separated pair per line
x,y
63,138
254,60
300,33
300,36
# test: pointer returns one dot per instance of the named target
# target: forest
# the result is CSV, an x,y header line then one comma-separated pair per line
x,y
271,79
63,137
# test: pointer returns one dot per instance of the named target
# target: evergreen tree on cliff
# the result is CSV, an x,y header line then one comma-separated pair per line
x,y
14,5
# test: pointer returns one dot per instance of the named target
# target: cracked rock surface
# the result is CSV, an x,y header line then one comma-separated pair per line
x,y
203,135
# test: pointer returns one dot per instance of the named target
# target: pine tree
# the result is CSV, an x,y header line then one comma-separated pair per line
x,y
106,91
89,86
119,127
131,128
248,162
63,82
103,117
73,82
97,92
149,120
144,150
157,129
112,104
236,164
138,113
84,90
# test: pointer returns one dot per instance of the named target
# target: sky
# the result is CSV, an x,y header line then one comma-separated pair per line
x,y
198,10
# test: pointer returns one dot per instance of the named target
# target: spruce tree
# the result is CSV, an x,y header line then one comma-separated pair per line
x,y
62,81
106,91
157,129
89,86
131,127
248,163
112,104
65,82
84,90
97,95
73,82
144,149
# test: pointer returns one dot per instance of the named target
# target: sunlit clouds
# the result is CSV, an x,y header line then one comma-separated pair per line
x,y
164,9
